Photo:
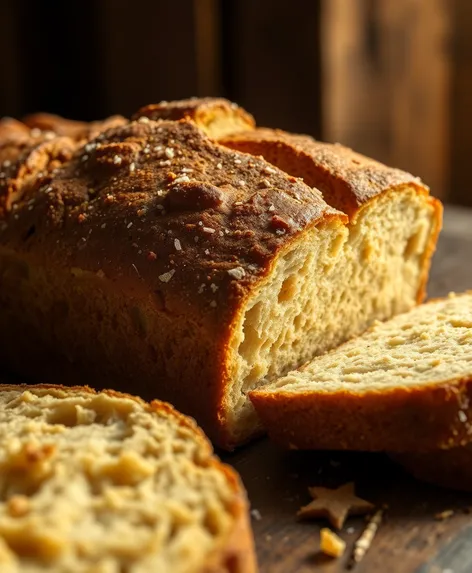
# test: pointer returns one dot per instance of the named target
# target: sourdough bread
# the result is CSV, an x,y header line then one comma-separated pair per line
x,y
106,483
156,259
404,385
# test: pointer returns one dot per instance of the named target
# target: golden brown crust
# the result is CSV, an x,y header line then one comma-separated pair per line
x,y
417,418
76,130
450,468
205,112
236,552
180,224
346,179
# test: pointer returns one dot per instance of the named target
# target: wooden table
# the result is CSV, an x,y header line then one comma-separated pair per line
x,y
411,539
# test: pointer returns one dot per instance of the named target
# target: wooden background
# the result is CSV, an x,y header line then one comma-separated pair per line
x,y
393,79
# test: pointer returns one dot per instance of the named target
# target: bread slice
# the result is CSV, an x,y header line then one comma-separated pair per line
x,y
404,385
217,117
106,483
451,468
154,253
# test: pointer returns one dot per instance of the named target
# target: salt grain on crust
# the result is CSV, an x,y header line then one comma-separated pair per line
x,y
237,273
116,160
169,152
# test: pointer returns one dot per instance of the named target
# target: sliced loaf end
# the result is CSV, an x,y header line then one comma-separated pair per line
x,y
329,285
404,385
104,482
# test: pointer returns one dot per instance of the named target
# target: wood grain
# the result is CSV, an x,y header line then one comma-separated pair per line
x,y
386,79
411,540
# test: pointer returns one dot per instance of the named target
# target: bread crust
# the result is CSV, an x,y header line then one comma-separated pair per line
x,y
348,180
76,130
235,553
131,211
204,112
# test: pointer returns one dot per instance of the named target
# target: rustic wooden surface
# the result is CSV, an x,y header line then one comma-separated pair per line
x,y
411,539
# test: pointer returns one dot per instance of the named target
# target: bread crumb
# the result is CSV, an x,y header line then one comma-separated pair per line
x,y
330,543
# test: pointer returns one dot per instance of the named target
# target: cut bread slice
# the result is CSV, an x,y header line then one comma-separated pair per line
x,y
217,117
106,483
450,468
404,385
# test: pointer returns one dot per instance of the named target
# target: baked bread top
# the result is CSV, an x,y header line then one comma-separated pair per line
x,y
106,483
404,385
170,210
217,117
346,179
77,130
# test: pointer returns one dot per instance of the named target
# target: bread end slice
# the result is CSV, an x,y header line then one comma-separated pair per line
x,y
405,385
105,482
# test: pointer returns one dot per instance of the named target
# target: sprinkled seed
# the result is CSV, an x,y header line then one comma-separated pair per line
x,y
207,251
169,152
219,166
237,273
241,182
238,203
272,208
165,277
177,245
117,160
165,163
208,230
181,179
143,119
132,167
214,287
201,288
187,170
104,225
265,183
195,239
129,225
85,157
269,170
237,161
6,163
213,303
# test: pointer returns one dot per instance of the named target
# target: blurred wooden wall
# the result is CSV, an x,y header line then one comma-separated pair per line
x,y
392,79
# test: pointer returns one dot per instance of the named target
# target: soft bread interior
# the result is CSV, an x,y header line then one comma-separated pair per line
x,y
94,483
431,344
330,285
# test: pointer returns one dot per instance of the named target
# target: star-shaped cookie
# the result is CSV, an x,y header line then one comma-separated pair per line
x,y
335,504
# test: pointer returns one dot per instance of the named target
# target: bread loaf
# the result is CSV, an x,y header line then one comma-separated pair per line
x,y
404,385
105,483
156,259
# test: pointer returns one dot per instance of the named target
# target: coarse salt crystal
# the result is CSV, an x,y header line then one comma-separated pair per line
x,y
219,166
237,273
181,179
169,152
165,278
117,160
272,208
